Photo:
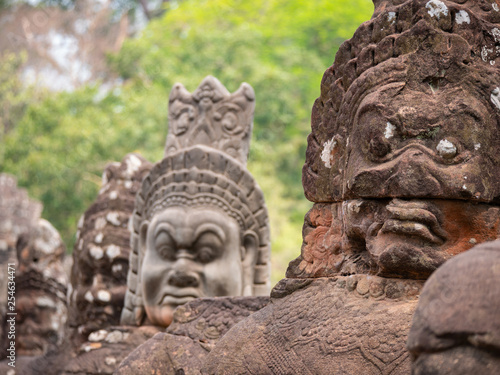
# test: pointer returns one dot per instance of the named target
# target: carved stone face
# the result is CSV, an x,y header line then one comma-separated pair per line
x,y
413,237
408,143
101,288
190,253
40,322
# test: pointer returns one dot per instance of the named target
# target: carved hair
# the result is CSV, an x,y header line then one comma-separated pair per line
x,y
212,174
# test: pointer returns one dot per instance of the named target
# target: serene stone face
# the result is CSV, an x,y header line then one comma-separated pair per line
x,y
190,253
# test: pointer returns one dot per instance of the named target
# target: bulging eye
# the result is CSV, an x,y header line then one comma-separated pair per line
x,y
446,149
166,252
206,254
379,146
208,247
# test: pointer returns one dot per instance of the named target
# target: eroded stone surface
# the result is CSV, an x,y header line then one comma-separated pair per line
x,y
196,327
346,325
102,248
200,223
456,327
402,165
18,214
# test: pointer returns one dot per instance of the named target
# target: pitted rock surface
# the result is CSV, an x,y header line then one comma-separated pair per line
x,y
196,328
344,325
102,248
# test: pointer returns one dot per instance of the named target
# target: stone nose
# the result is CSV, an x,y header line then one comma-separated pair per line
x,y
413,176
184,279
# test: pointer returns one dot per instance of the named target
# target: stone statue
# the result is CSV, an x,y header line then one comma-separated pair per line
x,y
41,283
35,251
456,327
200,226
99,279
402,165
18,214
102,249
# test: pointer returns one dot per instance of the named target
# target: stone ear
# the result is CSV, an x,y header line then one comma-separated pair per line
x,y
249,249
139,313
143,232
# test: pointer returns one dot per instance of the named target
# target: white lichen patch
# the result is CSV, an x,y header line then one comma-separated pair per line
x,y
80,222
112,251
104,296
389,130
462,17
436,8
496,34
110,361
133,165
485,51
495,7
128,184
100,223
112,217
45,302
473,241
116,268
477,146
98,238
495,97
446,149
89,297
98,335
96,252
391,17
115,337
113,195
326,154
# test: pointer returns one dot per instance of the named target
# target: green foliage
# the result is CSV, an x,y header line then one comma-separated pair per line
x,y
13,96
281,47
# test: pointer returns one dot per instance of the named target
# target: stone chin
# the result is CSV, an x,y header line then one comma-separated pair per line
x,y
405,259
160,315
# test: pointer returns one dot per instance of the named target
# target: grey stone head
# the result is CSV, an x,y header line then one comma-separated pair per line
x,y
200,226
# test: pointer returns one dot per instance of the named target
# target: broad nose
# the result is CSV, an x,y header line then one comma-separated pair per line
x,y
414,176
183,274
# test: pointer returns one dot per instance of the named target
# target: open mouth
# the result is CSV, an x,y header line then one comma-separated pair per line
x,y
412,218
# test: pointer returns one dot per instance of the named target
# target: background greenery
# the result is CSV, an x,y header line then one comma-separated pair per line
x,y
58,144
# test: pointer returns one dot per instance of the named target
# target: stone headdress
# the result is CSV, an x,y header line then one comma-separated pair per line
x,y
413,43
204,165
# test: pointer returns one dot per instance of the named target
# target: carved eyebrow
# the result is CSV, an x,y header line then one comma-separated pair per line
x,y
164,227
209,227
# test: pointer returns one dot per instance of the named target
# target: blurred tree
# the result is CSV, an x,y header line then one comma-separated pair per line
x,y
13,96
281,47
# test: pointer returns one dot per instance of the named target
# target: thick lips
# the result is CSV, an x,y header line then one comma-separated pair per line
x,y
413,219
179,297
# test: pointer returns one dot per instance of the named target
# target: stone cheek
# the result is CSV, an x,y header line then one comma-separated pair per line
x,y
324,329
